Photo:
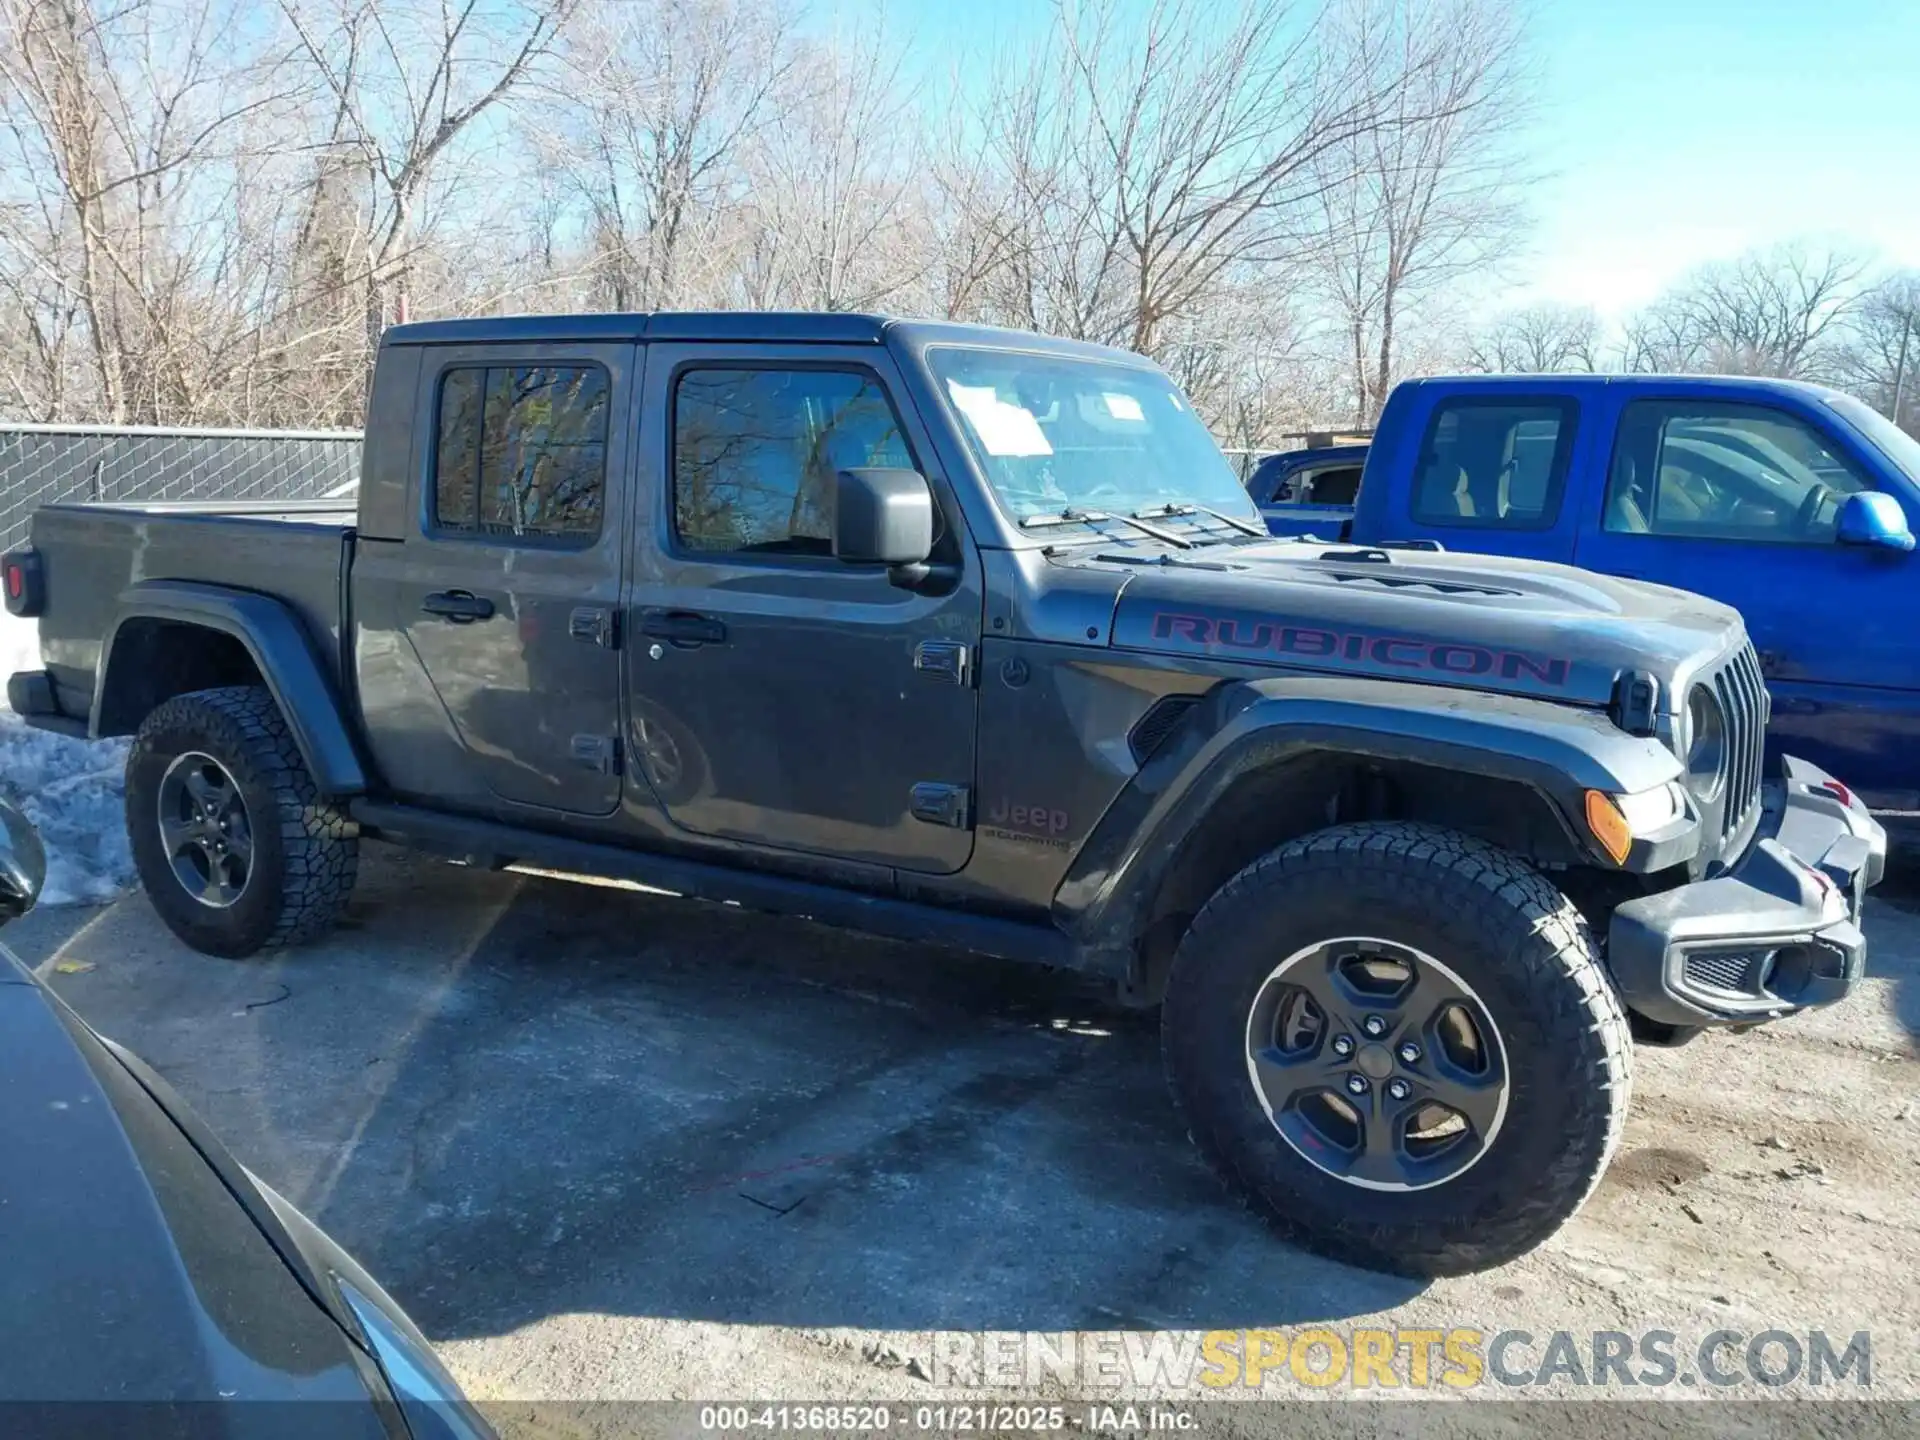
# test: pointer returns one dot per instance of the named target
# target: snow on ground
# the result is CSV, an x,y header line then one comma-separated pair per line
x,y
69,789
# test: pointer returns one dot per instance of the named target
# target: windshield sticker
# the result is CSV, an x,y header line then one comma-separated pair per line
x,y
1123,407
1005,430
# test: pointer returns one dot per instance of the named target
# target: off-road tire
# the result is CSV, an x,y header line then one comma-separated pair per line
x,y
306,850
1501,927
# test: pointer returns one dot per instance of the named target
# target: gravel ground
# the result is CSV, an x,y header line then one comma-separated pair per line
x,y
612,1145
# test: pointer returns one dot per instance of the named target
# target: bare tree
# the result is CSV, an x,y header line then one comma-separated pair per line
x,y
1769,312
1538,340
1881,352
663,101
1145,162
1427,196
122,144
209,211
832,219
404,80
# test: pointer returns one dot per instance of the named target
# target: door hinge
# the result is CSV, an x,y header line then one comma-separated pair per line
x,y
938,804
599,753
595,625
950,660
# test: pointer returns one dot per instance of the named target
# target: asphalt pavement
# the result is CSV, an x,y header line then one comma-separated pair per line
x,y
608,1143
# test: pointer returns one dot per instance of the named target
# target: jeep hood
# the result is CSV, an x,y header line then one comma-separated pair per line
x,y
1485,622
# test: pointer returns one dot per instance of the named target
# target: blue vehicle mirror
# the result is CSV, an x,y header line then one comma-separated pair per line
x,y
1872,517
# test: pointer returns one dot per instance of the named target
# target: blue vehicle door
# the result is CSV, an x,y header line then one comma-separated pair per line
x,y
1739,501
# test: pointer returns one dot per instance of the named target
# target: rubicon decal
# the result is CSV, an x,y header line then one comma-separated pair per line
x,y
1353,647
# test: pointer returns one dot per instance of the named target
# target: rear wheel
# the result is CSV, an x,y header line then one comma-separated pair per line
x,y
1398,1043
235,846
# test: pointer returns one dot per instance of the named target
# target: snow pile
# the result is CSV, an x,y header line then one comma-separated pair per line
x,y
69,789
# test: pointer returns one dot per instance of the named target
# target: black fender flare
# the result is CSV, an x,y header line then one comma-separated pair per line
x,y
278,644
1559,751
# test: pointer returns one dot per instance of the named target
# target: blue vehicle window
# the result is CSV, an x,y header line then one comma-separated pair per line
x,y
522,452
1717,471
755,453
1329,485
1494,463
1888,438
1266,484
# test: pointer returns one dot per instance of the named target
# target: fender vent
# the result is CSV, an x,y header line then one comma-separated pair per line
x,y
1151,730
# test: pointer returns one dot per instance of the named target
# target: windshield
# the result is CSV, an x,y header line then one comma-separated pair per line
x,y
1888,438
1055,434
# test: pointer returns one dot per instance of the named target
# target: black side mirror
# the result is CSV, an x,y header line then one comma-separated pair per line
x,y
23,864
884,517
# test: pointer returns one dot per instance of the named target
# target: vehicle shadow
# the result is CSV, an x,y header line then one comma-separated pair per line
x,y
1898,901
605,1101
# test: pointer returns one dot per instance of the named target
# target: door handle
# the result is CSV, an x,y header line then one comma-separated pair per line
x,y
460,607
682,627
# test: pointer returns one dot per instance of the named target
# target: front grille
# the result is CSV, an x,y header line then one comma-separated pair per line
x,y
1743,699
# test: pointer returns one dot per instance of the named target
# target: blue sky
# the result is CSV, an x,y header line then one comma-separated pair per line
x,y
1679,131
1671,132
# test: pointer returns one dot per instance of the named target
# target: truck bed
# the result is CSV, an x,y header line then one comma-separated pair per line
x,y
297,551
1322,522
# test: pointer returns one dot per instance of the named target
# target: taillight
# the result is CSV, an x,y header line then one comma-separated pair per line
x,y
23,582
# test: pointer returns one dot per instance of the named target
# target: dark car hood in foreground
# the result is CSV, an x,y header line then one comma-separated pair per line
x,y
1484,622
128,1271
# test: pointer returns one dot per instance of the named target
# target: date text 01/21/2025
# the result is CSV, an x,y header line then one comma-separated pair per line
x,y
960,1418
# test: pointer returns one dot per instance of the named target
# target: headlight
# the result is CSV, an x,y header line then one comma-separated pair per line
x,y
429,1399
1650,810
1706,741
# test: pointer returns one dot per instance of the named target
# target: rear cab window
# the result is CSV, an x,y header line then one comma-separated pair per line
x,y
1493,463
520,453
1328,484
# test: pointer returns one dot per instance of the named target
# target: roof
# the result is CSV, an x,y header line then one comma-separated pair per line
x,y
764,326
1725,384
1314,455
843,329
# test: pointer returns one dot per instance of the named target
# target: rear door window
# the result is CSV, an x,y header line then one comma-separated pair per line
x,y
1494,463
521,452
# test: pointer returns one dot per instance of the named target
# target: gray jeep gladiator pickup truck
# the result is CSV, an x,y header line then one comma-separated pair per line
x,y
968,636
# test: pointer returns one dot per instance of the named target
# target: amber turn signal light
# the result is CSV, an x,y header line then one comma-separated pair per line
x,y
1608,825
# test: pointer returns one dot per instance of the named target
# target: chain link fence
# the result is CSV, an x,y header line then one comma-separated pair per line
x,y
1243,461
48,464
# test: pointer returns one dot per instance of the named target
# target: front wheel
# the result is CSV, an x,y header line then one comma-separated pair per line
x,y
236,848
1398,1042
